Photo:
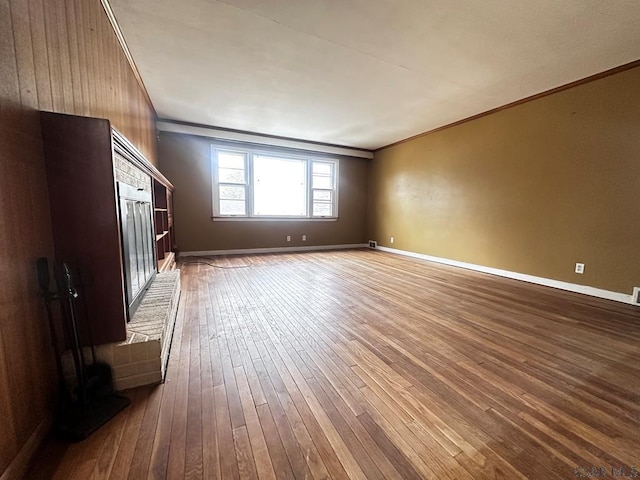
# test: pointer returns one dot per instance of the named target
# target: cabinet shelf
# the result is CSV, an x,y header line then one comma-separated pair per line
x,y
163,211
167,263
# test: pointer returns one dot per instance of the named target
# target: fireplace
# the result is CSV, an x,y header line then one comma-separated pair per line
x,y
138,242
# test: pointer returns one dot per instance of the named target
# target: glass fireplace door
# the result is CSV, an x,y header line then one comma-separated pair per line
x,y
137,242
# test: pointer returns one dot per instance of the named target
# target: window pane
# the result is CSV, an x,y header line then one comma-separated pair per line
x,y
322,209
279,186
138,212
321,168
231,160
322,195
228,175
232,207
133,257
228,192
322,182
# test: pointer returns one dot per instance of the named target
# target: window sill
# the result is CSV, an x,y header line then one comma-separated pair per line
x,y
274,219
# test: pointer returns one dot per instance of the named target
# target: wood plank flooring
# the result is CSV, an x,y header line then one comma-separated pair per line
x,y
361,364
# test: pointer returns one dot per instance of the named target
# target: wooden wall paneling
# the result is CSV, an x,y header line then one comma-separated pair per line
x,y
83,57
118,70
8,441
12,332
101,66
9,108
84,36
37,211
8,68
94,55
110,67
55,55
22,322
99,59
65,54
122,67
40,55
24,55
117,78
24,363
91,56
74,57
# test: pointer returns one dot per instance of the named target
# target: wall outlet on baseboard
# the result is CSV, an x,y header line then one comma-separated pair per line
x,y
392,240
635,298
304,238
373,244
288,238
580,268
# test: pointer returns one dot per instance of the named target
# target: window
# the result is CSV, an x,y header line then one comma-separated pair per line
x,y
279,186
232,183
258,184
322,187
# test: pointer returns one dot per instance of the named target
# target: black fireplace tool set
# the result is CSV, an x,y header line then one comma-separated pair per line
x,y
87,400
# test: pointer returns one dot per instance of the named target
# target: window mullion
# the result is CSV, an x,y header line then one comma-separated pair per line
x,y
249,183
309,188
215,194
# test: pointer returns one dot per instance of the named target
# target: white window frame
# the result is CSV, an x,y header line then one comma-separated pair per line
x,y
216,181
249,152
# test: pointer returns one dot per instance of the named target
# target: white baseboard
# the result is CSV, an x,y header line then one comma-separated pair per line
x,y
249,251
18,466
548,282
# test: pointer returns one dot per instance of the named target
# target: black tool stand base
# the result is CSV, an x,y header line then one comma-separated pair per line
x,y
78,423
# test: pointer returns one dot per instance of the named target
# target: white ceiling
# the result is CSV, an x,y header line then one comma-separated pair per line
x,y
365,73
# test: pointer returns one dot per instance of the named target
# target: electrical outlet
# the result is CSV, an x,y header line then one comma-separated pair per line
x,y
580,268
392,240
636,296
304,238
373,244
288,238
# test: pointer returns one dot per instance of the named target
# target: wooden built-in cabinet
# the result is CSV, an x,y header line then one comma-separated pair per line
x,y
163,211
85,160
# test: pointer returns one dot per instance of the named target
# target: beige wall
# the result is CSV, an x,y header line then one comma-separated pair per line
x,y
186,161
532,189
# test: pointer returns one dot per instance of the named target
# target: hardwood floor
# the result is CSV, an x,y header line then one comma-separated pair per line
x,y
361,364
